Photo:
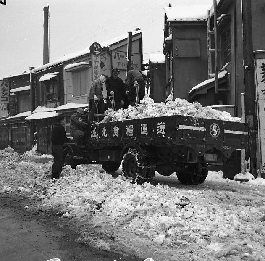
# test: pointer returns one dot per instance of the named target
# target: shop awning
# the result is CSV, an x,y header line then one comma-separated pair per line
x,y
202,87
20,89
42,115
48,76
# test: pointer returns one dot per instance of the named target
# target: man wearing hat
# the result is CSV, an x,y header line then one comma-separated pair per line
x,y
58,138
78,126
116,87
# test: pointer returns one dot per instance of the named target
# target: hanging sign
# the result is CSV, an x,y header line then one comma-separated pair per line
x,y
95,66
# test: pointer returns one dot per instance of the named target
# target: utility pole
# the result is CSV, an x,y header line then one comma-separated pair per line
x,y
249,81
46,36
32,104
129,51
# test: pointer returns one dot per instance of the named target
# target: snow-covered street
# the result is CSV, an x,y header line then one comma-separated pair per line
x,y
218,220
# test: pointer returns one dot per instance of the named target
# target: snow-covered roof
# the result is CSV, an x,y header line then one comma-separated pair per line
x,y
76,65
157,57
48,76
118,39
22,114
221,75
15,75
187,13
42,115
71,106
43,109
20,89
84,51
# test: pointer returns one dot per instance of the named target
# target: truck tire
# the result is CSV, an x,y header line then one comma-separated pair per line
x,y
193,174
135,166
68,158
111,166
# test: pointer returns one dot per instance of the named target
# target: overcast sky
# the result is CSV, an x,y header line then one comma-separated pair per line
x,y
75,25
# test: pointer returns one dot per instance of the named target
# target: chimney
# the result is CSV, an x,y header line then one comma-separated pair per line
x,y
46,36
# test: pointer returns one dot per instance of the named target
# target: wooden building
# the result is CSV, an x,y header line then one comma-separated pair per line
x,y
231,45
185,48
63,85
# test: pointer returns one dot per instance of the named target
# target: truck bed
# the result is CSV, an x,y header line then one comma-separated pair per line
x,y
199,133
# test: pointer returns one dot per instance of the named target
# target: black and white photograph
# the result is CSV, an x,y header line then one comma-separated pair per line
x,y
132,130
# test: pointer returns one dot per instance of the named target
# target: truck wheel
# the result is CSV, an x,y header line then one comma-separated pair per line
x,y
134,166
111,166
193,174
68,158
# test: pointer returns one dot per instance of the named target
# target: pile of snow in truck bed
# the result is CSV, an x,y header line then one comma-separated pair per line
x,y
148,109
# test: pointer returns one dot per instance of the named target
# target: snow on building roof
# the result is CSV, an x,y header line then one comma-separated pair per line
x,y
187,13
118,39
157,57
22,114
83,52
76,65
71,106
20,89
221,75
16,75
43,109
42,115
48,76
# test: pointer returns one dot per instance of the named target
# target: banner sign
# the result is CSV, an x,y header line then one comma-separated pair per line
x,y
119,60
260,87
4,91
3,110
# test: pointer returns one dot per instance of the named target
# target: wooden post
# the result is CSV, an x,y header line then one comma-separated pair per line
x,y
243,151
32,104
249,80
215,47
129,51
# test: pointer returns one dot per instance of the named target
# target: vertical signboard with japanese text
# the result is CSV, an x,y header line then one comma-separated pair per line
x,y
4,97
95,66
95,50
260,87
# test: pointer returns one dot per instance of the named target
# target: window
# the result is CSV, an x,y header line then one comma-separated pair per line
x,y
52,90
80,81
23,102
225,39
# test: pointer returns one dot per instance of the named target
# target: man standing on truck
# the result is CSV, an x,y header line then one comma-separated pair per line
x,y
116,87
98,98
58,138
78,126
136,86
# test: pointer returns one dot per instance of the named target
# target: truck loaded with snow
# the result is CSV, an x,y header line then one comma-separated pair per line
x,y
172,137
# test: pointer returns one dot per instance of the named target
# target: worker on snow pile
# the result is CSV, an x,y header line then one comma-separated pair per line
x,y
117,90
78,126
58,138
135,85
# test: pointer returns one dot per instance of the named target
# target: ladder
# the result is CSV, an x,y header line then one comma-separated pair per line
x,y
212,44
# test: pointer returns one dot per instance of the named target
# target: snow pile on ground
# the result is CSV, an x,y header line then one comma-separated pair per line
x,y
218,220
148,108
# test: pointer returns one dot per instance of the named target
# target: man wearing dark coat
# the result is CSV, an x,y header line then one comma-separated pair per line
x,y
58,138
78,126
116,87
136,86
